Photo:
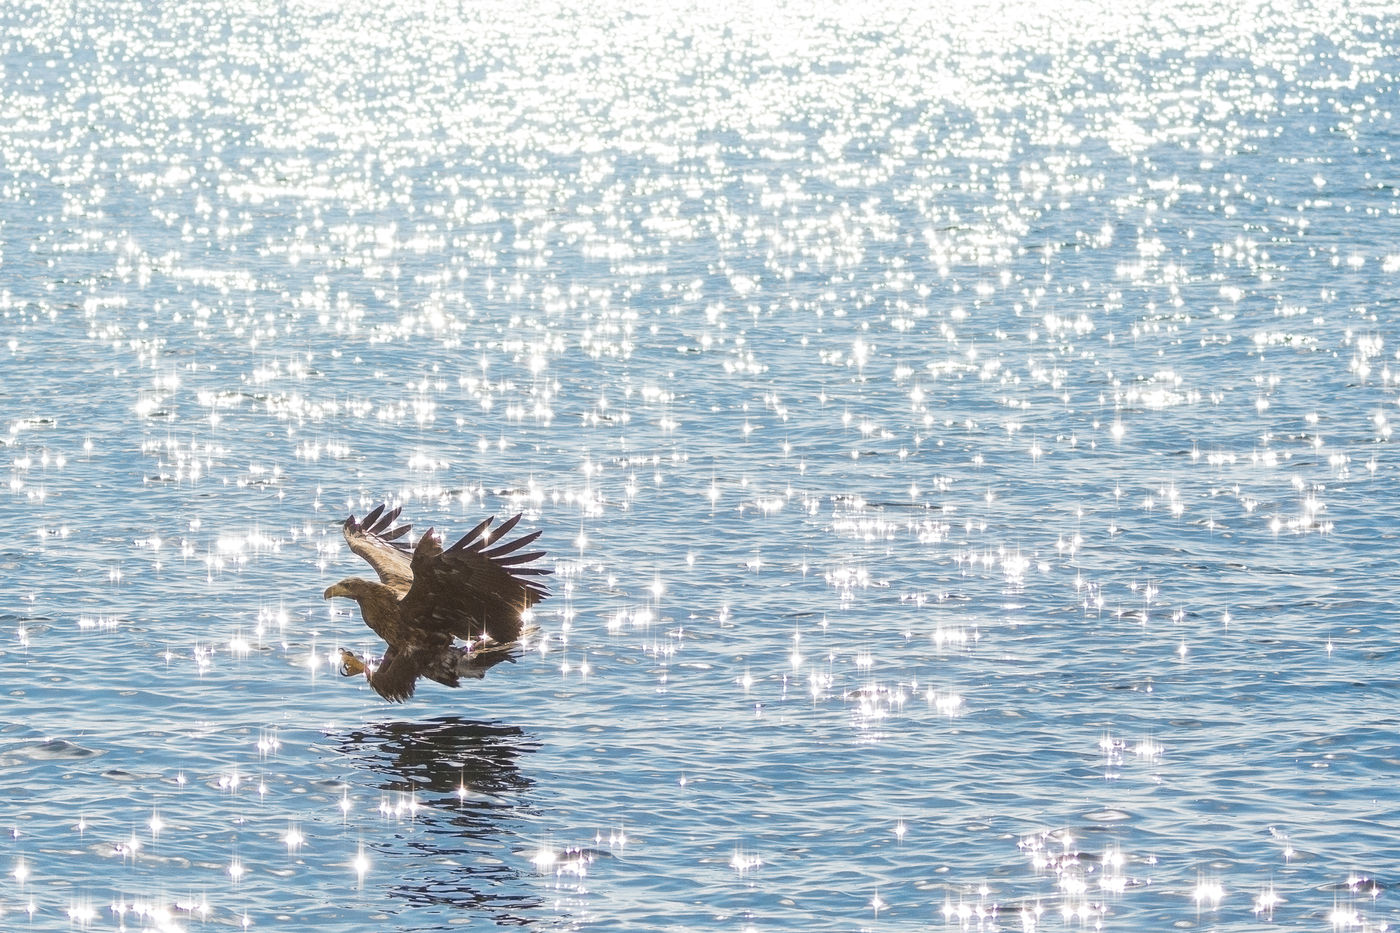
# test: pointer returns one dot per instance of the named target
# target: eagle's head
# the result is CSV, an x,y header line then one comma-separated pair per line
x,y
350,588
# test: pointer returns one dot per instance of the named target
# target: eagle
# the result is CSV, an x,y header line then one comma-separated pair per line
x,y
428,597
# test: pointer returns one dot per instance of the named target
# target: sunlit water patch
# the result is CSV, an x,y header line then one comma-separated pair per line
x,y
962,437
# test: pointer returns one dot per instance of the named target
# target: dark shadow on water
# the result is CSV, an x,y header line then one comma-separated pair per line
x,y
466,778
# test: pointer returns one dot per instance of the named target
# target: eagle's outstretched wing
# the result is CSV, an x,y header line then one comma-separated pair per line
x,y
475,587
377,541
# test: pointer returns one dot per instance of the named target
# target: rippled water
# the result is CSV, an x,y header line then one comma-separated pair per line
x,y
962,436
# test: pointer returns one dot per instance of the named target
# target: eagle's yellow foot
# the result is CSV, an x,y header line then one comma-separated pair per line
x,y
350,664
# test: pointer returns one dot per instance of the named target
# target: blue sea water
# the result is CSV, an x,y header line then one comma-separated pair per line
x,y
962,435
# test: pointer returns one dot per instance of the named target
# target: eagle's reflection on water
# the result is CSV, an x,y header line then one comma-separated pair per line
x,y
464,779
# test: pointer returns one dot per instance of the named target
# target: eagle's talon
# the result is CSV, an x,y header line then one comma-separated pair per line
x,y
350,664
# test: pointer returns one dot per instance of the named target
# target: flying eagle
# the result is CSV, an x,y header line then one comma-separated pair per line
x,y
426,597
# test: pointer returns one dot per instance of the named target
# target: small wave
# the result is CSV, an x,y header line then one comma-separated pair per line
x,y
55,749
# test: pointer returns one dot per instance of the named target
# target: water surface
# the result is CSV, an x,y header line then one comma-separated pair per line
x,y
962,437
